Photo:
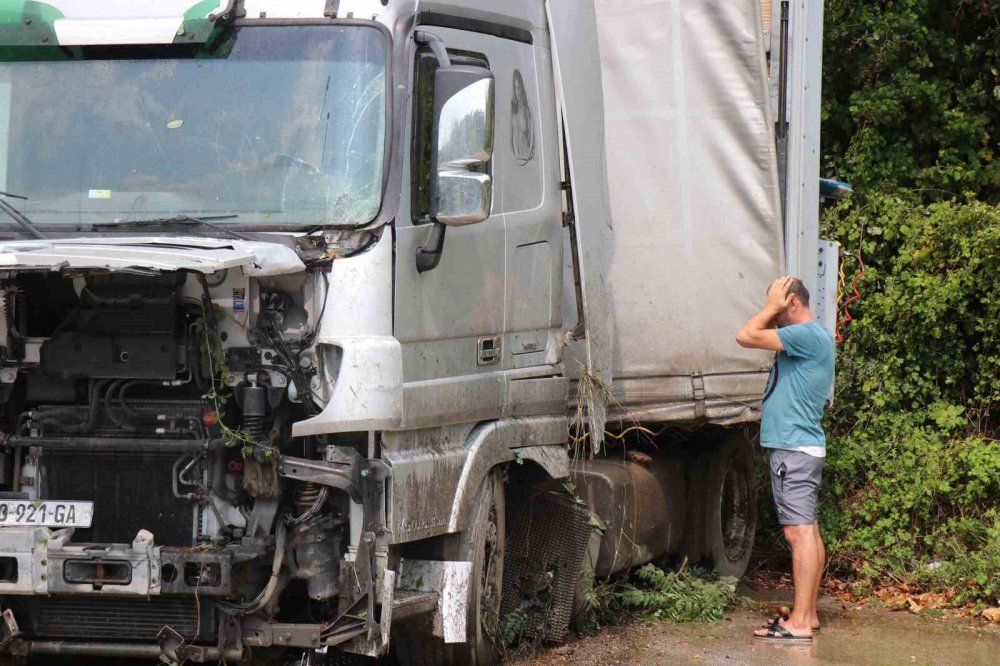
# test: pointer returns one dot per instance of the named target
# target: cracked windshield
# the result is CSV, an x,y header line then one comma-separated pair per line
x,y
275,125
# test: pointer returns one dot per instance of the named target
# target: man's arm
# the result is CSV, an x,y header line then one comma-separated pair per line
x,y
759,332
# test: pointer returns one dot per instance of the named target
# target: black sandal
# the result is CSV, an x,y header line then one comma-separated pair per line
x,y
779,634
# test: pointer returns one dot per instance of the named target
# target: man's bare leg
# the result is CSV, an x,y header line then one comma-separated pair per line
x,y
821,553
806,571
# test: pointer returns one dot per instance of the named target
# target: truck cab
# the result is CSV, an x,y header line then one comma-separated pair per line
x,y
309,314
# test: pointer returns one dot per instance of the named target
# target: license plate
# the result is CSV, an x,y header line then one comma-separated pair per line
x,y
46,513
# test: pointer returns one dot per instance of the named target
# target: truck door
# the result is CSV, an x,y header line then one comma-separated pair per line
x,y
449,320
528,146
493,303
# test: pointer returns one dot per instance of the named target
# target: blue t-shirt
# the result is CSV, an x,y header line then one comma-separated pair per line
x,y
798,388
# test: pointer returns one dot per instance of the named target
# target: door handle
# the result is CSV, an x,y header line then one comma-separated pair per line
x,y
488,351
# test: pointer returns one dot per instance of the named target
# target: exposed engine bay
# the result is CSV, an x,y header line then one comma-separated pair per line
x,y
166,399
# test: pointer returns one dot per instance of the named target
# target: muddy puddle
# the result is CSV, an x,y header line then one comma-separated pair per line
x,y
851,635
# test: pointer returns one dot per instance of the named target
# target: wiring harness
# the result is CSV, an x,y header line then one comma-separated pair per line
x,y
855,296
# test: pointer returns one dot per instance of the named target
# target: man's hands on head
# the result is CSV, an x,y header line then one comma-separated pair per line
x,y
778,298
759,332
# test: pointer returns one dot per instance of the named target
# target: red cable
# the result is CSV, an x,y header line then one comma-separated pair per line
x,y
848,317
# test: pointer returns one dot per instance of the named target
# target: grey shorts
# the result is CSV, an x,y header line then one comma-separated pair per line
x,y
795,481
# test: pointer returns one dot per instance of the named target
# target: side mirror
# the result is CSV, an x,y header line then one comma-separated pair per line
x,y
461,146
461,190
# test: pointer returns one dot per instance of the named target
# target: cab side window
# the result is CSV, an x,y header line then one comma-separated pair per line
x,y
423,125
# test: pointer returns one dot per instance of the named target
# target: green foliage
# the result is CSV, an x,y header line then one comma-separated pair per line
x,y
914,471
911,102
912,94
679,596
513,628
213,356
521,631
971,566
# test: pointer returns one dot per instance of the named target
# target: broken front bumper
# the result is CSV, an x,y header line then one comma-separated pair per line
x,y
141,600
39,561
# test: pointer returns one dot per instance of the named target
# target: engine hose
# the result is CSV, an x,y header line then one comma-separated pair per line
x,y
53,411
194,349
856,296
109,409
51,417
129,412
95,399
123,394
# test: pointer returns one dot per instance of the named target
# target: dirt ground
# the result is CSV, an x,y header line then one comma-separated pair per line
x,y
850,635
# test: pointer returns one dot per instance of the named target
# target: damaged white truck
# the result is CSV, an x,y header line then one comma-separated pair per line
x,y
313,310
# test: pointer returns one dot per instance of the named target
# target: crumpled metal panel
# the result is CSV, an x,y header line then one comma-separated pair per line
x,y
168,253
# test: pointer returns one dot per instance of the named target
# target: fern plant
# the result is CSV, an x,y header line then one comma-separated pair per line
x,y
678,596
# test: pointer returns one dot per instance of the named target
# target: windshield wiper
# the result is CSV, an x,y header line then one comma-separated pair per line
x,y
182,220
22,220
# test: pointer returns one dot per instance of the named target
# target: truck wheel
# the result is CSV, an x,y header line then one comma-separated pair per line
x,y
731,506
482,543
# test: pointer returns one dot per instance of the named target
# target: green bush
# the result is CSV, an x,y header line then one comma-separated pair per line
x,y
912,94
913,476
911,105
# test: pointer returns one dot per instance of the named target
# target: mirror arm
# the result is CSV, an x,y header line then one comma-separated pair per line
x,y
429,255
437,46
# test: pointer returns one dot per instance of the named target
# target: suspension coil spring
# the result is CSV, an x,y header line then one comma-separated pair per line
x,y
305,496
255,426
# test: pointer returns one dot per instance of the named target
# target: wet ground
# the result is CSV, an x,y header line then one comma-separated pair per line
x,y
850,635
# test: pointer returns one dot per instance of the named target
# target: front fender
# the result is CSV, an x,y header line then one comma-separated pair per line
x,y
540,439
436,472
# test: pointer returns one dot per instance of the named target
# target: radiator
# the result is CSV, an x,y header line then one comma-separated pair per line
x,y
111,619
130,491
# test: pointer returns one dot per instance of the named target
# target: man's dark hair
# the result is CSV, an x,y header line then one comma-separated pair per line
x,y
797,289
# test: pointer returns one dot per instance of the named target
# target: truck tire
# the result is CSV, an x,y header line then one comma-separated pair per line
x,y
483,543
730,506
693,547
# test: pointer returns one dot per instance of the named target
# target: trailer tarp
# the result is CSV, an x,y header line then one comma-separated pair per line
x,y
692,176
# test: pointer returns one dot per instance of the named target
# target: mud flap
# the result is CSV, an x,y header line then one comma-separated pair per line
x,y
547,540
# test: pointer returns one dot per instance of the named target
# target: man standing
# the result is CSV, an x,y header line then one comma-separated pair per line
x,y
791,428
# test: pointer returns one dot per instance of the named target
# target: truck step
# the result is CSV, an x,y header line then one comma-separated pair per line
x,y
407,603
